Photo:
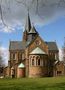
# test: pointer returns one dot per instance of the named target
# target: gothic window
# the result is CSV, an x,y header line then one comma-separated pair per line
x,y
20,55
33,62
23,56
38,62
56,56
12,72
14,56
11,56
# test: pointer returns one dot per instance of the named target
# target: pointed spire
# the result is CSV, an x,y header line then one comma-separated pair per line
x,y
28,23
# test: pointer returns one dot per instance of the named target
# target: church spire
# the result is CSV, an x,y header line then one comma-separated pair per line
x,y
28,23
27,28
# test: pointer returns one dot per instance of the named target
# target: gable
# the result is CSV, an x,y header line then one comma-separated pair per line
x,y
37,50
38,42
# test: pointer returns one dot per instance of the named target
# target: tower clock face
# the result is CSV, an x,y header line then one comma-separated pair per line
x,y
37,42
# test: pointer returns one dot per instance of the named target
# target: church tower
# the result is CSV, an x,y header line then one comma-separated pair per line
x,y
27,28
30,32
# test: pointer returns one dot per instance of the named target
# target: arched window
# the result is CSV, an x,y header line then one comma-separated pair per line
x,y
12,72
13,56
38,62
33,62
20,55
23,56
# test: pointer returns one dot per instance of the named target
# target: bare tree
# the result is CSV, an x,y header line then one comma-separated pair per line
x,y
59,3
2,65
1,59
63,51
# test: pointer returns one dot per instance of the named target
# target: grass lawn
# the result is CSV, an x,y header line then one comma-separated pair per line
x,y
51,83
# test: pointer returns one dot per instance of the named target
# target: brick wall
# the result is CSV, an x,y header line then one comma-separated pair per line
x,y
59,69
37,71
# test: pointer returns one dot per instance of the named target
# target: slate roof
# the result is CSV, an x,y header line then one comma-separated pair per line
x,y
17,45
52,46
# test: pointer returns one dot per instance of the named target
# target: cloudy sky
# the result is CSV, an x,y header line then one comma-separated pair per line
x,y
48,16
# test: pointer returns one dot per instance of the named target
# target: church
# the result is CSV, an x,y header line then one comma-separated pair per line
x,y
32,56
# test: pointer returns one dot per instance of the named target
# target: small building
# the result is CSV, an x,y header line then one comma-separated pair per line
x,y
59,69
21,71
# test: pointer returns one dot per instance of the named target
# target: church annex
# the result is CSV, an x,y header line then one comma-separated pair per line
x,y
32,57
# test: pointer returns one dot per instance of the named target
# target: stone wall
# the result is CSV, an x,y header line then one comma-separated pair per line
x,y
37,71
20,72
59,69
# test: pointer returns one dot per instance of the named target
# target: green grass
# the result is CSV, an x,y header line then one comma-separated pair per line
x,y
51,83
